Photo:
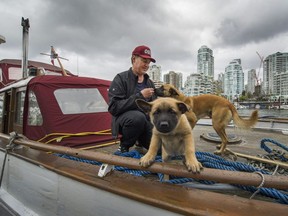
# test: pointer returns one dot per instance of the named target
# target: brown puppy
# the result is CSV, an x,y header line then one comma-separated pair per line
x,y
171,130
218,108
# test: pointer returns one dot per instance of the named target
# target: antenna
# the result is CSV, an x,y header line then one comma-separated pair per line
x,y
53,55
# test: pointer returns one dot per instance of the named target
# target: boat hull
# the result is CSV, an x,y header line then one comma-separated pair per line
x,y
31,189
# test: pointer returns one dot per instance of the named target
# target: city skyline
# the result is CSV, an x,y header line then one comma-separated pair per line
x,y
258,71
273,84
98,39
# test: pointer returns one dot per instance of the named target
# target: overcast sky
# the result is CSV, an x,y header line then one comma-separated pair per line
x,y
98,36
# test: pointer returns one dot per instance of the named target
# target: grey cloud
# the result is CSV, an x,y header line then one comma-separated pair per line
x,y
94,26
257,23
102,33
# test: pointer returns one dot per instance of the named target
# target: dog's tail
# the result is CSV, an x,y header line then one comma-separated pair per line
x,y
244,123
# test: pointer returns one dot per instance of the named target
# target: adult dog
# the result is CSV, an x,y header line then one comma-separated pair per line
x,y
218,108
171,130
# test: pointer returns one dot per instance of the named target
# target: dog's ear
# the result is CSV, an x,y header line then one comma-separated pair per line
x,y
183,107
173,91
144,105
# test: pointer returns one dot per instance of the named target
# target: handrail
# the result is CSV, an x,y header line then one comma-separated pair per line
x,y
223,176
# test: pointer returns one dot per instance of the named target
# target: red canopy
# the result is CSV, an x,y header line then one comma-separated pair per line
x,y
51,94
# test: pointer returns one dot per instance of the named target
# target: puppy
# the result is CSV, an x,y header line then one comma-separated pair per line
x,y
171,130
218,108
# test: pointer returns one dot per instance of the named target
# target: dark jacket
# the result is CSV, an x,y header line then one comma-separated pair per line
x,y
122,95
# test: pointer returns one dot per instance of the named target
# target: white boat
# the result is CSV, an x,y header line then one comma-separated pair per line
x,y
284,106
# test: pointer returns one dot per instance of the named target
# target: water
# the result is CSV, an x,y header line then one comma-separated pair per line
x,y
265,112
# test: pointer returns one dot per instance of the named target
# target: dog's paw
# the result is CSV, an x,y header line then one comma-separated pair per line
x,y
218,152
221,152
194,166
146,161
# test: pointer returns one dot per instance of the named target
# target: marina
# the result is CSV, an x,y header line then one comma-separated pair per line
x,y
58,157
266,113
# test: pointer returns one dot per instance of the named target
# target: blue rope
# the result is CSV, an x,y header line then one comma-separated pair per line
x,y
132,154
267,149
208,160
213,161
217,162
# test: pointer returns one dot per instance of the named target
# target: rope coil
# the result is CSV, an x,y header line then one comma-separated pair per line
x,y
208,160
269,150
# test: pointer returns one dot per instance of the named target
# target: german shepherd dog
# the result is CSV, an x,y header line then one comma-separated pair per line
x,y
171,130
218,108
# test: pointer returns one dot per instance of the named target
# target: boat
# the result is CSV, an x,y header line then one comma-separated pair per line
x,y
284,106
280,107
58,157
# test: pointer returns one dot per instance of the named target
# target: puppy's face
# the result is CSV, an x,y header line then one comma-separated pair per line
x,y
164,112
166,90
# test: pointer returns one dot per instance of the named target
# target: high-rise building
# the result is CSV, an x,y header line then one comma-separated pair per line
x,y
173,78
205,62
251,81
155,72
221,81
205,67
275,76
218,85
233,80
180,80
192,85
197,84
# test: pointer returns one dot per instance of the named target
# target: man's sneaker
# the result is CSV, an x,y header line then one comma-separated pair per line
x,y
123,149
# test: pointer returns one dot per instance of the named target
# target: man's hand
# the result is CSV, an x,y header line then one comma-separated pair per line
x,y
147,92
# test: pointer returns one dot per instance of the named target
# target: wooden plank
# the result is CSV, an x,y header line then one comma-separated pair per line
x,y
175,198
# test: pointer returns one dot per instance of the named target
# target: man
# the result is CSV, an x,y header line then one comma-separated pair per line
x,y
128,120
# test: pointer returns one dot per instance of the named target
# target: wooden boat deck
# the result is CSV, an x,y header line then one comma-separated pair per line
x,y
249,140
248,143
163,195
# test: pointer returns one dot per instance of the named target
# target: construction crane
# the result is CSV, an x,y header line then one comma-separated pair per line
x,y
258,80
257,74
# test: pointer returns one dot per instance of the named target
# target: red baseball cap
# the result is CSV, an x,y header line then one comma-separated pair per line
x,y
144,52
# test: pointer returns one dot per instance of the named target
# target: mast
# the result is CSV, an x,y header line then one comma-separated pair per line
x,y
25,43
55,55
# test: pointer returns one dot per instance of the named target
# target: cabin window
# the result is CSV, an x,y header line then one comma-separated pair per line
x,y
14,73
81,100
34,113
20,96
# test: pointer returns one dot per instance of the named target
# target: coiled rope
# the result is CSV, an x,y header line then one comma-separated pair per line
x,y
267,149
208,160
